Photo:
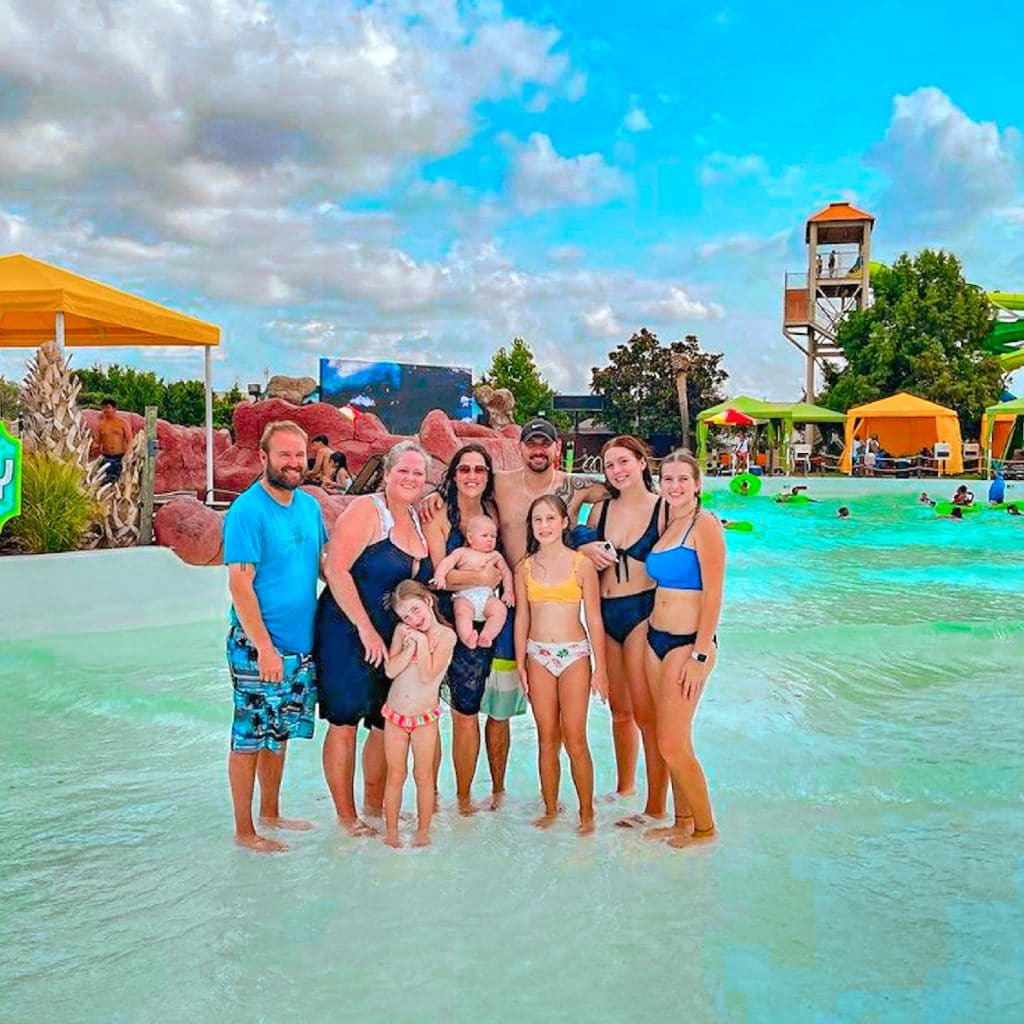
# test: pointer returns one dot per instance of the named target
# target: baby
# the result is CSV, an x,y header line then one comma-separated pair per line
x,y
478,604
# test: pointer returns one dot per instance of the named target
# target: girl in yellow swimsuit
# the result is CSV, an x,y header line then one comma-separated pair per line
x,y
553,653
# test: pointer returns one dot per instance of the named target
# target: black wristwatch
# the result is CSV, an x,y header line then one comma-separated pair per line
x,y
699,656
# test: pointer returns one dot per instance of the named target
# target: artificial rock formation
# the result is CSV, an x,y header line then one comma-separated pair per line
x,y
497,403
291,389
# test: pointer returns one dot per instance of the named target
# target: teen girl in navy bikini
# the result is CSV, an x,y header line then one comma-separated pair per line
x,y
630,521
688,566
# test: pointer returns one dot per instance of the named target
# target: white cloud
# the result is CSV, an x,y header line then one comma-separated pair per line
x,y
601,322
944,170
678,305
636,119
725,169
542,179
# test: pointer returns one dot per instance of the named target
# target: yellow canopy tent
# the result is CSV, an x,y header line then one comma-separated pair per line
x,y
40,302
904,424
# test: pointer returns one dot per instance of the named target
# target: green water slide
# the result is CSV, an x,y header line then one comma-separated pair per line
x,y
1006,340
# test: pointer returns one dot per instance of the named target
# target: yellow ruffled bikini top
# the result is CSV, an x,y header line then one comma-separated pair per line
x,y
568,591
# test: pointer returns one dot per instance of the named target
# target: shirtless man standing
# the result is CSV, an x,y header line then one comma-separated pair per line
x,y
514,492
115,439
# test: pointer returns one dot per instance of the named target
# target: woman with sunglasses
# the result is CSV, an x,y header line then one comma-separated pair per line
x,y
467,490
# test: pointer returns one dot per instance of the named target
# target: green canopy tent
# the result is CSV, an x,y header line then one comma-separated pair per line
x,y
780,417
997,429
753,407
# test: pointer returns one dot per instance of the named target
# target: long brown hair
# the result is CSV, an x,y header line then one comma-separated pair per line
x,y
642,453
532,544
449,492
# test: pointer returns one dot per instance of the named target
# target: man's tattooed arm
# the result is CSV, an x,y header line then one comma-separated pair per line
x,y
576,490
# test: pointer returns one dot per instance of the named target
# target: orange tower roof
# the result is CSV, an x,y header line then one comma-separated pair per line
x,y
837,211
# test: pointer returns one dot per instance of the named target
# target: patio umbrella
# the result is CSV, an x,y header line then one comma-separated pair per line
x,y
731,418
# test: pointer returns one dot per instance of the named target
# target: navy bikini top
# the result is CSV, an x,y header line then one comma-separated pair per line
x,y
640,548
676,568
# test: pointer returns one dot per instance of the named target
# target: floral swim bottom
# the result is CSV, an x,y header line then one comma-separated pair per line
x,y
557,655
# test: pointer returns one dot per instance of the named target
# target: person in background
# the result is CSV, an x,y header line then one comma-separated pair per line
x,y
319,462
115,440
924,499
963,496
273,538
843,512
997,490
1013,510
338,479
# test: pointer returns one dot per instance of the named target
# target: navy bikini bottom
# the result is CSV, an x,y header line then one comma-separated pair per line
x,y
621,615
662,642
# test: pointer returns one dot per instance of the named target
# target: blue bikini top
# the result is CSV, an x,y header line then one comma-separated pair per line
x,y
676,568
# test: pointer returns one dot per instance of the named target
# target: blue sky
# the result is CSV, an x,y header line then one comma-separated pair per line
x,y
426,181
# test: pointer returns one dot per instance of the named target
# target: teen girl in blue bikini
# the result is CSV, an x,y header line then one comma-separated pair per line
x,y
688,566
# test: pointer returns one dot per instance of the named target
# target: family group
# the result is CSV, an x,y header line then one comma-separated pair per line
x,y
489,594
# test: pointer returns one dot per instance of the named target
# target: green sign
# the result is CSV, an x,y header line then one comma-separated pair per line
x,y
10,476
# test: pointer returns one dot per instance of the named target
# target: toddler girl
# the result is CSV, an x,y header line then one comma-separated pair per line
x,y
421,650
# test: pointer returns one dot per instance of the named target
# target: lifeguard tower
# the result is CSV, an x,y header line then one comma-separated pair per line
x,y
835,283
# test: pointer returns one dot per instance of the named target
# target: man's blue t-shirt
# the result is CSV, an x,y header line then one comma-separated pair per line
x,y
997,490
284,543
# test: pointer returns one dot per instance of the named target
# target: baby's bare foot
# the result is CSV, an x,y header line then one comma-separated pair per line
x,y
260,844
546,820
497,799
421,838
587,827
394,841
467,807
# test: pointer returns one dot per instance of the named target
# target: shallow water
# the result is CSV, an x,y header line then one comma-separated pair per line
x,y
862,735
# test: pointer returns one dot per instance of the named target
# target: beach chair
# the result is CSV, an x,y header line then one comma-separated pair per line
x,y
800,456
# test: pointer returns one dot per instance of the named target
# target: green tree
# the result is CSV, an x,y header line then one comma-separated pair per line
x,y
516,370
10,403
185,403
224,407
639,385
132,389
922,334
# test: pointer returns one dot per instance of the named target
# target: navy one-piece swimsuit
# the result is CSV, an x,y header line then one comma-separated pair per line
x,y
351,689
468,672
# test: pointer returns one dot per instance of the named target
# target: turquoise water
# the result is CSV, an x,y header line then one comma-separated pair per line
x,y
862,736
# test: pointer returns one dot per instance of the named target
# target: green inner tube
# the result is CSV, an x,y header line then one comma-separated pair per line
x,y
795,499
944,508
740,525
753,484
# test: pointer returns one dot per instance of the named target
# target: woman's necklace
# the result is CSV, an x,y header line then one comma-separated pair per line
x,y
682,515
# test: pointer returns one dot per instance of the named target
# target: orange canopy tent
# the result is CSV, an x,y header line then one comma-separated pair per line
x,y
40,302
904,424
